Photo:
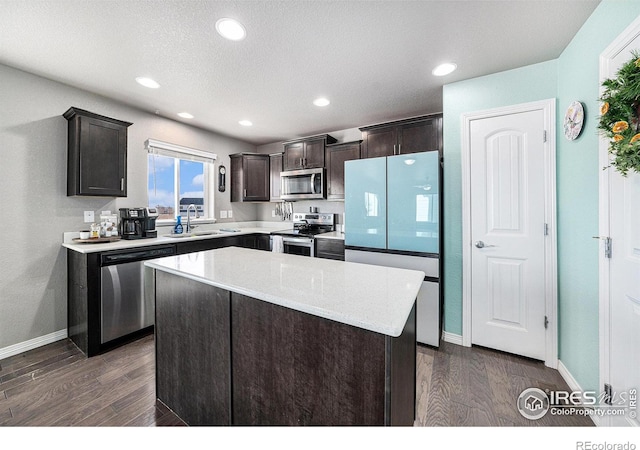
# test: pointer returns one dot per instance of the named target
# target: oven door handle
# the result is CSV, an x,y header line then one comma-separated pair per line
x,y
298,240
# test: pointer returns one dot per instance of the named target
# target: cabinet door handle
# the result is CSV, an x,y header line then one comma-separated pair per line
x,y
245,193
399,149
122,184
394,149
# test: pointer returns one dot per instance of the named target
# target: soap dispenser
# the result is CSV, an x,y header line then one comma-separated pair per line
x,y
178,228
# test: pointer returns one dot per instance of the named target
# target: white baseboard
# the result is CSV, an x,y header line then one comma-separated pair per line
x,y
32,343
452,338
575,386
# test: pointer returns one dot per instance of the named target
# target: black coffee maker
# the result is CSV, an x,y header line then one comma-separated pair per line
x,y
132,223
149,225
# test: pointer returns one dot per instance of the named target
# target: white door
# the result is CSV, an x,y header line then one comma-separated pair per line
x,y
507,200
624,273
622,218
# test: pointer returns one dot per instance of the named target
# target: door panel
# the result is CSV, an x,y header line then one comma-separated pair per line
x,y
507,230
623,353
366,202
412,189
624,270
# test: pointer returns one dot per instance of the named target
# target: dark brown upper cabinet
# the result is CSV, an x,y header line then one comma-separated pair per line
x,y
306,153
96,154
336,155
275,167
419,134
249,177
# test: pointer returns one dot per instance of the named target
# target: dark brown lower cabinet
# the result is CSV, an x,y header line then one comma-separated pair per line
x,y
192,350
329,248
281,367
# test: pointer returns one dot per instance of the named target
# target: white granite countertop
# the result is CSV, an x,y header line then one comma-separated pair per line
x,y
240,229
331,235
374,298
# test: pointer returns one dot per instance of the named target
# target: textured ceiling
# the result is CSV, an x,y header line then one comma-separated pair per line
x,y
372,59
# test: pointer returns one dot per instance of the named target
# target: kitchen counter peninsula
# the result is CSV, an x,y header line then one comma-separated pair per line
x,y
248,337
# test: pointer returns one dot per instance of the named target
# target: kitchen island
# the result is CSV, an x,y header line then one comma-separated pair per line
x,y
246,337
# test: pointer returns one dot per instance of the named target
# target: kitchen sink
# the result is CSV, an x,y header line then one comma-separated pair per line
x,y
188,235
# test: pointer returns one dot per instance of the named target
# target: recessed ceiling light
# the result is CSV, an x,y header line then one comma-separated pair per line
x,y
321,101
231,29
245,123
148,82
444,69
185,115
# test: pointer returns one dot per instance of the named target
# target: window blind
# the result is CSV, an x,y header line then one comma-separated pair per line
x,y
156,147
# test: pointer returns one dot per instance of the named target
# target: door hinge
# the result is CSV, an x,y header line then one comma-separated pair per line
x,y
608,392
544,136
546,229
546,322
607,247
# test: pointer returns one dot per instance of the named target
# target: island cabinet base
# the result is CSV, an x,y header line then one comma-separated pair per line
x,y
224,358
193,358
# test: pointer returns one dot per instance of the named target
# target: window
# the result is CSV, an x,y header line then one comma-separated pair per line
x,y
179,177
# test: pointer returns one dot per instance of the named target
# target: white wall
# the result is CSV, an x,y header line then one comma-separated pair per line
x,y
33,165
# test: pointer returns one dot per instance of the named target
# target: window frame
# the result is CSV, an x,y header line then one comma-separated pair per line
x,y
178,152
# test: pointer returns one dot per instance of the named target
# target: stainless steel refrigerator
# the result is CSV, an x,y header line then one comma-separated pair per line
x,y
392,218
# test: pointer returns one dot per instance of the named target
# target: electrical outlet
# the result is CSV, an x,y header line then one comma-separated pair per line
x,y
230,215
89,217
223,214
273,213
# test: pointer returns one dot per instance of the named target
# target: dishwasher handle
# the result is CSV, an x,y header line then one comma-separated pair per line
x,y
108,259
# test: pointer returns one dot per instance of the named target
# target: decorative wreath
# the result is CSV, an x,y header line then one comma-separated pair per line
x,y
620,116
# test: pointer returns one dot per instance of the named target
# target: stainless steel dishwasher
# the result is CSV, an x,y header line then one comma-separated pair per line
x,y
127,300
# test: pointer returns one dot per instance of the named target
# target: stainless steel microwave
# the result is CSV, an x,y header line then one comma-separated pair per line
x,y
302,184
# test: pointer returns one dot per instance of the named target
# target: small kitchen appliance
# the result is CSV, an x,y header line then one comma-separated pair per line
x,y
149,229
133,222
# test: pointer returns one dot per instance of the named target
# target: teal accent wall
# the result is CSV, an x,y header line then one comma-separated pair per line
x,y
523,85
573,76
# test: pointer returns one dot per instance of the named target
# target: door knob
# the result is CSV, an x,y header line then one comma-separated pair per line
x,y
481,244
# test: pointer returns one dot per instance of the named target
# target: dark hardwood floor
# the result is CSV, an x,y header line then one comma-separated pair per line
x,y
56,385
475,386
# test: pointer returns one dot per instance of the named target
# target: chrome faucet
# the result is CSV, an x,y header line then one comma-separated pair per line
x,y
189,226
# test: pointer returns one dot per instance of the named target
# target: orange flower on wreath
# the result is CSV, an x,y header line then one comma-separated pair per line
x,y
618,138
635,138
620,126
604,108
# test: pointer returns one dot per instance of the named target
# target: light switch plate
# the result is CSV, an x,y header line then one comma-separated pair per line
x,y
89,217
273,213
223,214
230,215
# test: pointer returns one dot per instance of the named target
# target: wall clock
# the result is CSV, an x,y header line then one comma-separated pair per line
x,y
221,178
573,120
